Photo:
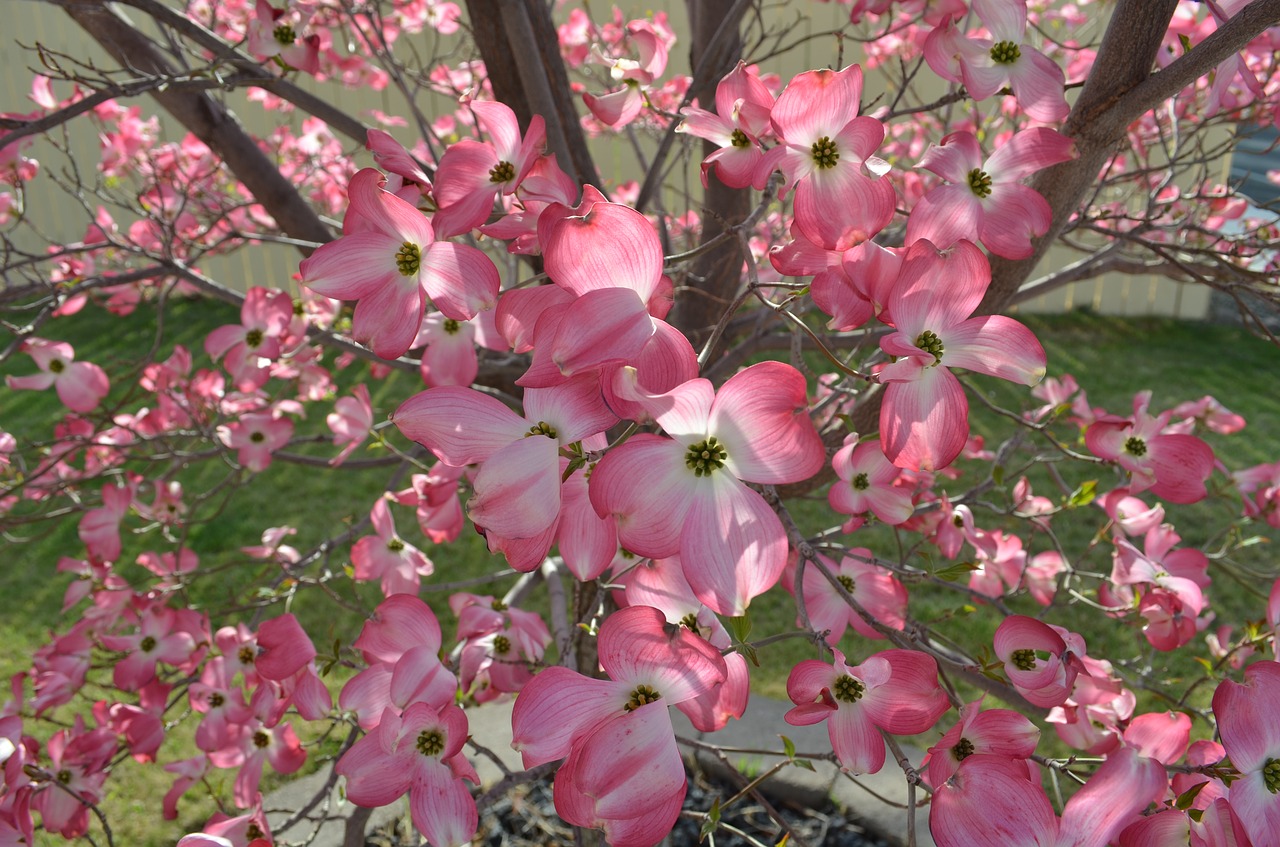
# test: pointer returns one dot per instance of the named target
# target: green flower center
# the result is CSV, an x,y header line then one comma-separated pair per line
x,y
848,689
261,739
861,482
929,342
501,645
395,545
825,153
640,696
253,831
299,308
57,366
1135,446
963,749
542,428
148,644
430,742
502,172
690,622
451,326
846,581
257,437
1271,775
738,138
64,776
408,259
216,700
705,456
1005,53
247,655
284,35
980,182
1024,660
498,606
253,338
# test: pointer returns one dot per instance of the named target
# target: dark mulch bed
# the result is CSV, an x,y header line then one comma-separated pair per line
x,y
526,818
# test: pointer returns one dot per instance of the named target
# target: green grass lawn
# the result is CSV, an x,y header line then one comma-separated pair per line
x,y
1111,358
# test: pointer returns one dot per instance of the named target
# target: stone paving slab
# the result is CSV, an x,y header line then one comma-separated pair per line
x,y
759,729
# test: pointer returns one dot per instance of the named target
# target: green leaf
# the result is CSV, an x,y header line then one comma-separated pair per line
x,y
803,763
1185,41
1083,495
953,572
997,474
789,746
712,821
1186,798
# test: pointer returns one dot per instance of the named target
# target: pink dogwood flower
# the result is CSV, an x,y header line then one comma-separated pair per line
x,y
253,344
741,118
622,772
986,65
80,385
517,488
686,494
873,588
389,262
1172,466
826,151
986,200
999,732
420,754
388,557
1036,660
896,691
255,437
472,174
867,485
924,418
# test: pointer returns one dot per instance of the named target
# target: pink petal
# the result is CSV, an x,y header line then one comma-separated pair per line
x,y
924,424
574,248
1038,82
1014,214
856,740
997,346
637,645
460,280
1027,152
947,214
761,416
817,103
733,546
517,490
953,159
459,425
842,207
557,707
441,806
601,327
990,801
645,485
629,760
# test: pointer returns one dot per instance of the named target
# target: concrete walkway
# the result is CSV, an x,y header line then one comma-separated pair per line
x,y
758,730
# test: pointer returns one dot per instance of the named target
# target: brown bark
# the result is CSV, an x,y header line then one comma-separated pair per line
x,y
207,119
521,53
714,277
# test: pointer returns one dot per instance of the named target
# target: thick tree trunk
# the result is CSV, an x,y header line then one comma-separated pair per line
x,y
713,279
